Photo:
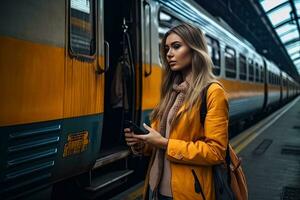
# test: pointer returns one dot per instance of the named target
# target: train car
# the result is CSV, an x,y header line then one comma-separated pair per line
x,y
71,73
274,91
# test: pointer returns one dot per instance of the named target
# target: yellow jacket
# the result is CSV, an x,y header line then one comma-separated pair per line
x,y
190,147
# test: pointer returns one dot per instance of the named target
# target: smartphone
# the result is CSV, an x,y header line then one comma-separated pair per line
x,y
135,128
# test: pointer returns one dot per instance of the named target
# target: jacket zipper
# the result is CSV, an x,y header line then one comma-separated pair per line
x,y
197,185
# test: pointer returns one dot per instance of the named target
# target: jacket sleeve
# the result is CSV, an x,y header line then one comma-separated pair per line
x,y
142,149
212,149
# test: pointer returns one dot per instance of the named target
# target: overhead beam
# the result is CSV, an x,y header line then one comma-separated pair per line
x,y
294,10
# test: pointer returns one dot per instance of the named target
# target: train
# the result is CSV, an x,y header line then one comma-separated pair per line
x,y
72,71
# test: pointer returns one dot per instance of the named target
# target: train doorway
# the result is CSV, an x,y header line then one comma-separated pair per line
x,y
120,79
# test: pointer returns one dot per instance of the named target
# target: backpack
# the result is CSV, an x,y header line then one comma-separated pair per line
x,y
229,179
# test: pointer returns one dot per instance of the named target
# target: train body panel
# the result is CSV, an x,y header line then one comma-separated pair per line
x,y
39,154
244,98
53,102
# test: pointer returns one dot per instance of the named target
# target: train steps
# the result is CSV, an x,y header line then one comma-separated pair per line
x,y
109,172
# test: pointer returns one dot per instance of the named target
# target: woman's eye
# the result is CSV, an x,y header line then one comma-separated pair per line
x,y
176,46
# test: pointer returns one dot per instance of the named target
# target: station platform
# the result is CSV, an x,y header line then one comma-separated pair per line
x,y
271,155
270,152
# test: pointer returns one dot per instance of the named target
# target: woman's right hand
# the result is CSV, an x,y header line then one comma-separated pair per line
x,y
130,140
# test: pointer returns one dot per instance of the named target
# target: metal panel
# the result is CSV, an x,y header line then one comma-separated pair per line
x,y
40,21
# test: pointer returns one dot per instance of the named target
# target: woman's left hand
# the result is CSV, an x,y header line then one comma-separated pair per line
x,y
153,137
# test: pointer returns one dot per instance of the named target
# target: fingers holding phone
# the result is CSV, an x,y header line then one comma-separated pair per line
x,y
135,128
130,140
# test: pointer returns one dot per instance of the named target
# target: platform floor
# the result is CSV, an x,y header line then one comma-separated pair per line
x,y
271,161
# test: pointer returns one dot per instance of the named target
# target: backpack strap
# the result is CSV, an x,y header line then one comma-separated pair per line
x,y
203,106
203,112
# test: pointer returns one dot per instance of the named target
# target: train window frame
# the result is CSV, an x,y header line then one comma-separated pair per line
x,y
230,73
250,68
243,76
75,50
215,53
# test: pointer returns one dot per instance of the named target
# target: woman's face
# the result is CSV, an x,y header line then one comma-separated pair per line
x,y
178,54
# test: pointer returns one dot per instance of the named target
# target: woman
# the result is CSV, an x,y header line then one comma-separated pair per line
x,y
183,152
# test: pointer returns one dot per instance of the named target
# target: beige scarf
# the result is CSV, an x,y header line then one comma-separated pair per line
x,y
179,92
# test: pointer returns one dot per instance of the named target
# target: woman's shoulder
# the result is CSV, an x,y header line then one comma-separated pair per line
x,y
215,86
216,92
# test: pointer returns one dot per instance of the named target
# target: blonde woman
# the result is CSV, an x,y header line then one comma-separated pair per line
x,y
182,151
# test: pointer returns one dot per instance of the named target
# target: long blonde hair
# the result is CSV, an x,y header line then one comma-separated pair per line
x,y
201,68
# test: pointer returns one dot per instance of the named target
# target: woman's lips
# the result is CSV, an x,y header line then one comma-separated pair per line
x,y
172,63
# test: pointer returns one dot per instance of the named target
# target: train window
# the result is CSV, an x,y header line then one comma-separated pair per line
x,y
271,78
251,70
257,77
214,52
166,21
82,28
243,67
262,74
230,62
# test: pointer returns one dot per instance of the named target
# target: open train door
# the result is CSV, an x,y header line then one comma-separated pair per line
x,y
118,30
120,79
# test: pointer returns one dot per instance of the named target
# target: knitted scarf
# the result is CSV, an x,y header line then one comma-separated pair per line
x,y
179,91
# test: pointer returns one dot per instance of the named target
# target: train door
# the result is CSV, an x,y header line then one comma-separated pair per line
x,y
83,88
120,78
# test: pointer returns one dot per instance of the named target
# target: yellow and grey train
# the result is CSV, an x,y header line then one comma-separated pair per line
x,y
72,71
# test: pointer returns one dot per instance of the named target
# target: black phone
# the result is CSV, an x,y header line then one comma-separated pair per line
x,y
135,128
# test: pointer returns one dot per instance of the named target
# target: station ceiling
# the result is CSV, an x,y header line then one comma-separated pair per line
x,y
271,26
283,15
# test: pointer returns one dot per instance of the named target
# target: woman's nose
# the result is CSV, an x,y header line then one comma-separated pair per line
x,y
170,53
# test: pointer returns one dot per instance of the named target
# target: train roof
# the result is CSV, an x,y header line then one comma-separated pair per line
x,y
192,11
